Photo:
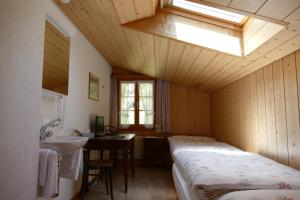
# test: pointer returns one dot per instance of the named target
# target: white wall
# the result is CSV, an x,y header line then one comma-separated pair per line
x,y
79,109
21,61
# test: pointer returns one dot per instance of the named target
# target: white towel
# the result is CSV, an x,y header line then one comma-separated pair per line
x,y
50,188
70,165
43,159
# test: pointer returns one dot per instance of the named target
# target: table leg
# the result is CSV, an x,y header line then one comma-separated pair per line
x,y
132,159
125,166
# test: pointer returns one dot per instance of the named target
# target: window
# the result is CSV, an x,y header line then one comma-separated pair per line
x,y
136,103
209,11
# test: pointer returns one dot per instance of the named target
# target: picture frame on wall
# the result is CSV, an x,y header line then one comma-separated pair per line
x,y
93,87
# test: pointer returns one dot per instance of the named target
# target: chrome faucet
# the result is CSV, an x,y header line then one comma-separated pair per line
x,y
44,134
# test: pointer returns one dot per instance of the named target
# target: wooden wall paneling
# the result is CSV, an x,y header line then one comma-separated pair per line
x,y
189,111
174,56
56,59
251,28
292,110
221,73
283,49
263,137
261,36
244,71
254,110
179,102
125,10
297,143
293,20
270,111
132,10
100,22
246,5
96,24
283,36
245,114
205,57
286,48
145,8
135,44
189,57
253,66
273,100
116,31
232,65
147,43
162,46
174,26
96,41
231,68
198,110
280,115
282,9
213,67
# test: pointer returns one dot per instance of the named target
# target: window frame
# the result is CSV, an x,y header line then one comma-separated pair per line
x,y
241,23
136,126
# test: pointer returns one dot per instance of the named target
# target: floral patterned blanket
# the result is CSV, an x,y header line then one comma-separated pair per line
x,y
223,170
263,195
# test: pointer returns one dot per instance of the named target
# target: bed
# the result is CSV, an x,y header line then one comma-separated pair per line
x,y
197,173
263,195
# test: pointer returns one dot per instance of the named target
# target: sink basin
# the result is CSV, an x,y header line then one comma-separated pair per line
x,y
63,144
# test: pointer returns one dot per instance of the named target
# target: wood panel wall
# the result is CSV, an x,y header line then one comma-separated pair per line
x,y
260,112
189,111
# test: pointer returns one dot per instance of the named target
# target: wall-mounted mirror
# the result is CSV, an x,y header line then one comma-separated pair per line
x,y
56,60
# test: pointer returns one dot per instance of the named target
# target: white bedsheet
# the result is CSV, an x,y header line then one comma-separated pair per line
x,y
180,142
263,195
184,190
223,170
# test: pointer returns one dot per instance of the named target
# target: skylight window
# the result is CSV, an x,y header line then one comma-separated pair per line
x,y
210,11
208,38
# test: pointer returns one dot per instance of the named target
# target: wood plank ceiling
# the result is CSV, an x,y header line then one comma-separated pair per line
x,y
180,63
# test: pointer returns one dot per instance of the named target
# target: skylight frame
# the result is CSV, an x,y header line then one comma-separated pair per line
x,y
209,11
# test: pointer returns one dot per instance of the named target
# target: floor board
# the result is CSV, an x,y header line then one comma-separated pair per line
x,y
150,183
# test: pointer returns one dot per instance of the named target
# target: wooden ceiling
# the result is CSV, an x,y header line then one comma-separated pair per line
x,y
179,62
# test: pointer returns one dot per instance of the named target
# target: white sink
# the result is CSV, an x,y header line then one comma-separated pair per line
x,y
63,144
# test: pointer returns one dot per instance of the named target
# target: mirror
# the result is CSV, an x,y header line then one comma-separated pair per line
x,y
56,60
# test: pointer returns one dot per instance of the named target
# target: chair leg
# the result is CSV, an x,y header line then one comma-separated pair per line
x,y
106,181
110,183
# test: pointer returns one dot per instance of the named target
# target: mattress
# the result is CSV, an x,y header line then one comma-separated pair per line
x,y
263,195
184,190
239,171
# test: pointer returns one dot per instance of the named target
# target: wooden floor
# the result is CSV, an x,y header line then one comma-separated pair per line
x,y
150,183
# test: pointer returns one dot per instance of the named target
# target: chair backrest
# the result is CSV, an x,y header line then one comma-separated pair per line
x,y
89,146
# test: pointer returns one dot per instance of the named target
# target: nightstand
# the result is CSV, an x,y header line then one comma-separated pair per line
x,y
156,151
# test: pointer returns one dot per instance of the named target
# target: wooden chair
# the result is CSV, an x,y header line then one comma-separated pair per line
x,y
103,166
114,155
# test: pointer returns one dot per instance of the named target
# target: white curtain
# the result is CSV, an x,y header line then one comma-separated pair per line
x,y
162,111
114,103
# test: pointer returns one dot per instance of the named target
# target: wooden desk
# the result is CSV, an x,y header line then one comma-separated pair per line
x,y
124,142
